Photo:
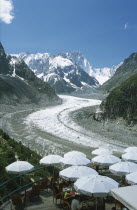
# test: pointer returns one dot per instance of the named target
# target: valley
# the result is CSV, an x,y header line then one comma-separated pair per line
x,y
52,130
33,113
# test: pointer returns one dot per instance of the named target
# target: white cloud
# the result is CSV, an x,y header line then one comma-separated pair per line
x,y
6,11
125,26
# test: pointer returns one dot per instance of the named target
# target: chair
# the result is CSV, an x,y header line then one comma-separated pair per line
x,y
56,194
65,202
33,195
44,184
17,202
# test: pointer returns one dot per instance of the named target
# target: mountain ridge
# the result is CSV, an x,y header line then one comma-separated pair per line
x,y
60,71
19,84
125,71
55,69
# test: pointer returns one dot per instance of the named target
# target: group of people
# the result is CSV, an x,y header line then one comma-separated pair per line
x,y
78,202
69,196
73,199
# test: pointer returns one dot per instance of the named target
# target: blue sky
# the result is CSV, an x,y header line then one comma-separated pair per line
x,y
105,31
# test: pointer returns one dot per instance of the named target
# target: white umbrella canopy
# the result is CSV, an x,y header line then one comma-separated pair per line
x,y
73,173
131,178
74,153
19,167
123,168
50,160
131,149
105,160
130,156
96,185
74,161
101,151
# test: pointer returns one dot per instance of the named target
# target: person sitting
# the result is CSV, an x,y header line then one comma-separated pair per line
x,y
67,194
56,193
75,204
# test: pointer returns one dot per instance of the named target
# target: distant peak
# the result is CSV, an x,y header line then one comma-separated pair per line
x,y
1,46
2,51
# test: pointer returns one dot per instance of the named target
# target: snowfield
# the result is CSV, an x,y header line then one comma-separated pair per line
x,y
56,121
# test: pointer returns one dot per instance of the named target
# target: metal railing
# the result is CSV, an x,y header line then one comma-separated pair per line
x,y
23,187
4,183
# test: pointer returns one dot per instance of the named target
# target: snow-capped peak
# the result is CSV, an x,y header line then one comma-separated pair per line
x,y
69,70
78,59
59,61
104,74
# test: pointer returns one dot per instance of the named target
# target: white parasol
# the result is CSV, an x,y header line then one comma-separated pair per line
x,y
123,168
130,156
96,185
19,167
74,153
105,160
131,149
50,160
75,161
101,151
131,178
73,173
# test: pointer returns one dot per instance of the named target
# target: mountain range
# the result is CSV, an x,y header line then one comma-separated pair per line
x,y
24,77
66,72
19,84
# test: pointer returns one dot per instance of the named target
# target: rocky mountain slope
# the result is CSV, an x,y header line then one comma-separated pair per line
x,y
126,70
18,84
122,101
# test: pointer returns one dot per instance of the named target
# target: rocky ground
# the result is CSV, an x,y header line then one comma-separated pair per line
x,y
112,129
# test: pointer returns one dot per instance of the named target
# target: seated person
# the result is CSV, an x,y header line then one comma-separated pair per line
x,y
67,194
75,204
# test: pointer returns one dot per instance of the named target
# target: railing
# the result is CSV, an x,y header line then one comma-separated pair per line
x,y
1,185
23,187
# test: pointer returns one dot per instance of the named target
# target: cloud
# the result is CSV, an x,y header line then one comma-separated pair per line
x,y
6,11
125,26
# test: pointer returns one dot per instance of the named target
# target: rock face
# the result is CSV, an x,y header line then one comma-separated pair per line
x,y
4,62
122,101
18,84
126,70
